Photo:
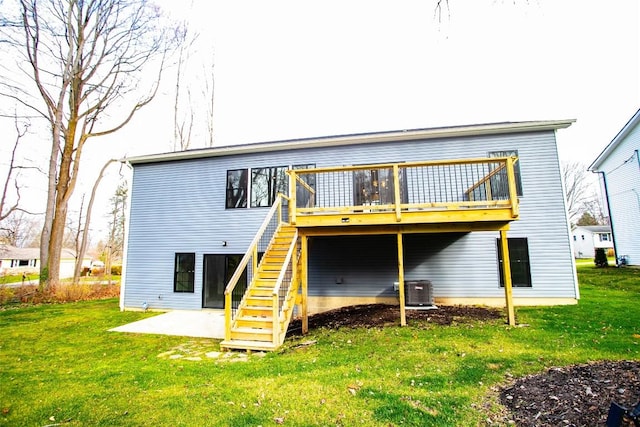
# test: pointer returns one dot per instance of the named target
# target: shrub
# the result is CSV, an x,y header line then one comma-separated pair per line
x,y
29,294
601,258
116,270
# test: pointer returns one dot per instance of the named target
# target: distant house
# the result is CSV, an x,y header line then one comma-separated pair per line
x,y
458,215
619,168
27,260
589,237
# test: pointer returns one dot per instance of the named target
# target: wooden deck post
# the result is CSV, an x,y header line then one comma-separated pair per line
x,y
403,314
293,203
304,247
396,192
506,272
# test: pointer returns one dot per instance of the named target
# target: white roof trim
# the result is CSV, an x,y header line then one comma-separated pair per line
x,y
632,123
364,138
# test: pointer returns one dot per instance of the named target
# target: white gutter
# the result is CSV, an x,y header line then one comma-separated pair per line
x,y
125,247
614,142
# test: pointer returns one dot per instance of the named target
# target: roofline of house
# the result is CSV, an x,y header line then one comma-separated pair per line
x,y
354,139
615,141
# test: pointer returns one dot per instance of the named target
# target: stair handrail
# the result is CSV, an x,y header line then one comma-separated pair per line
x,y
275,208
276,289
503,165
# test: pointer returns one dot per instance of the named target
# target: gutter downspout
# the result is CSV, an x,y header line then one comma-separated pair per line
x,y
125,247
606,195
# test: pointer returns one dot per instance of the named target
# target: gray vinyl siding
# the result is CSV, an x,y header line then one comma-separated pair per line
x,y
345,266
179,206
622,169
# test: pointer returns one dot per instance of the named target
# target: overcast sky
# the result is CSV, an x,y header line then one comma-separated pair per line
x,y
289,69
296,69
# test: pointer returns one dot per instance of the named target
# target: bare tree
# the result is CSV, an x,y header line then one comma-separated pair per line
x,y
115,243
183,120
19,229
85,59
84,240
593,206
577,188
6,207
208,92
437,12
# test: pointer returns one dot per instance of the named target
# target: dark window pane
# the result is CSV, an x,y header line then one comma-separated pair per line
x,y
519,262
237,188
183,278
266,183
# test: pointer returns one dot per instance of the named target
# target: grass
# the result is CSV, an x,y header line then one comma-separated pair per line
x,y
17,278
59,365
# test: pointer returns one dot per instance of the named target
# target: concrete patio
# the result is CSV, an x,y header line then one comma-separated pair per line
x,y
186,323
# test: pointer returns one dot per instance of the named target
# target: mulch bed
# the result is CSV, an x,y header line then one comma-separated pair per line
x,y
378,315
565,396
572,396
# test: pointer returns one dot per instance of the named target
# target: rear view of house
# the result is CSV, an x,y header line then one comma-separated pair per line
x,y
619,169
457,215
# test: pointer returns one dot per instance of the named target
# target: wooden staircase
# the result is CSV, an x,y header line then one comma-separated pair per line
x,y
252,327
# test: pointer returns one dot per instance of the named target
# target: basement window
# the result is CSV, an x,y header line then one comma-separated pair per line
x,y
519,262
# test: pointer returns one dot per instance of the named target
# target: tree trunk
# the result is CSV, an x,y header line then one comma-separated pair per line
x,y
55,244
85,231
45,237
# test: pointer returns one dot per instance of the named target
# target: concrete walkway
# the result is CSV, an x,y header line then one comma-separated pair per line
x,y
186,323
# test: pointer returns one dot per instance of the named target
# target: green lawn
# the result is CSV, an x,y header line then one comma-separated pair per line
x,y
60,366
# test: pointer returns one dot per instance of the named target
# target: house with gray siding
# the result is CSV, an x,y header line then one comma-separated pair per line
x,y
618,167
450,212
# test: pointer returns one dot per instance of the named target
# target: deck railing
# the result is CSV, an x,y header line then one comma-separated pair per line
x,y
286,285
479,183
251,259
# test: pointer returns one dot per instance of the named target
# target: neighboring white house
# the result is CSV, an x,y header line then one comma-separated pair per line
x,y
589,237
619,168
27,260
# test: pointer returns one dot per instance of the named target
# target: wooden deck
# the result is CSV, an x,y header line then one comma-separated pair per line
x,y
395,198
470,191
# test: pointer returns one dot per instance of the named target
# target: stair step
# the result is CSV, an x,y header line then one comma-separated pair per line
x,y
250,330
261,291
258,301
282,244
248,345
271,267
254,321
255,311
251,334
271,259
264,284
